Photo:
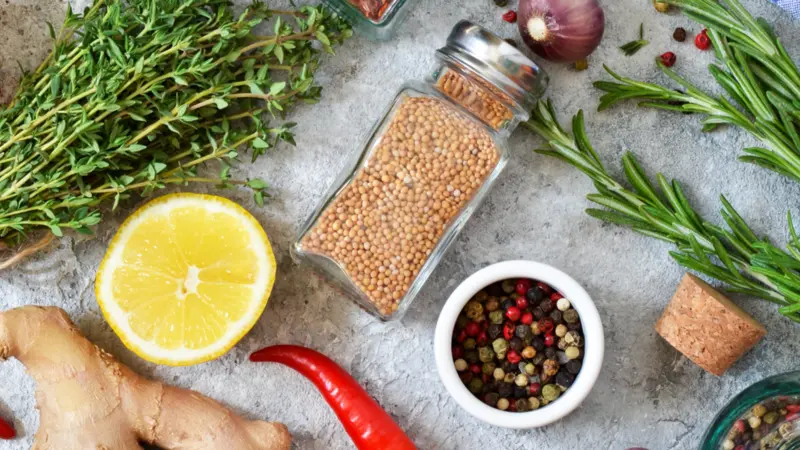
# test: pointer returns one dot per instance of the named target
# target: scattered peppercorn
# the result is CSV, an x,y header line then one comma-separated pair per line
x,y
501,3
661,6
702,41
668,59
510,16
679,34
581,65
512,338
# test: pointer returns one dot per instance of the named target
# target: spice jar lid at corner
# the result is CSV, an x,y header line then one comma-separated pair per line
x,y
376,19
480,51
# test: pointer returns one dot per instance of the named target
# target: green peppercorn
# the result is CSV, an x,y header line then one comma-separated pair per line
x,y
759,410
514,296
474,310
530,369
562,344
502,404
475,385
492,304
754,422
509,378
470,344
550,392
574,338
572,352
508,286
471,356
570,316
488,367
496,317
481,296
522,405
499,374
500,345
528,352
786,429
521,380
533,403
485,354
491,398
771,417
462,321
461,365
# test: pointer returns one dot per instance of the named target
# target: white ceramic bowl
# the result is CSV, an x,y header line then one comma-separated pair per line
x,y
593,348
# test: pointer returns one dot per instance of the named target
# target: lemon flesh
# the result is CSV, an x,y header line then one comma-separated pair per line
x,y
185,278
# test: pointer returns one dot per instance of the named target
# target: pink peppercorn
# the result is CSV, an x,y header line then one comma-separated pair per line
x,y
527,318
513,357
522,302
522,286
472,329
458,352
513,313
549,340
555,296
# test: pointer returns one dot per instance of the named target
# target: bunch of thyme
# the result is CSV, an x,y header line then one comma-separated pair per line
x,y
732,254
760,78
139,94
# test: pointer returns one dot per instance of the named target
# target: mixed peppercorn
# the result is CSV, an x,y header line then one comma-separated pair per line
x,y
766,425
518,345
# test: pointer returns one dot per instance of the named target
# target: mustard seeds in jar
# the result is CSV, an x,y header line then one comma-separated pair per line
x,y
386,222
427,164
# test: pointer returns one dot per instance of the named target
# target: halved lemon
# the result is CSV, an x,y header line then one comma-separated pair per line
x,y
185,278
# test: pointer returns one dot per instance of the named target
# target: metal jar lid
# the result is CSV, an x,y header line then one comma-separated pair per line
x,y
475,49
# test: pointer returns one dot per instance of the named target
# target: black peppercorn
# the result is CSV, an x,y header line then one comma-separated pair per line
x,y
520,392
509,367
491,399
489,387
508,303
574,366
495,331
557,317
538,343
471,356
538,314
574,326
549,352
534,295
547,305
539,359
679,34
505,389
564,379
523,331
501,3
522,405
516,344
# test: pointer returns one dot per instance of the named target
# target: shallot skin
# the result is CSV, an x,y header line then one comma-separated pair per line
x,y
561,30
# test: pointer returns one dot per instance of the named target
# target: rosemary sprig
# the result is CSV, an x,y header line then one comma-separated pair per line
x,y
755,71
634,46
732,254
139,94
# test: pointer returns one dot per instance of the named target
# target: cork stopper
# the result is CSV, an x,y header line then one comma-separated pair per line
x,y
707,327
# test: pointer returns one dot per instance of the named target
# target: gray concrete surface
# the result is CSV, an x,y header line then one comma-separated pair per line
x,y
647,395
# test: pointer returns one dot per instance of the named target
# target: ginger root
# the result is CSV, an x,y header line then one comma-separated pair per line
x,y
88,400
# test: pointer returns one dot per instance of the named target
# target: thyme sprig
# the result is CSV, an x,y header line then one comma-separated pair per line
x,y
759,77
632,47
140,94
733,253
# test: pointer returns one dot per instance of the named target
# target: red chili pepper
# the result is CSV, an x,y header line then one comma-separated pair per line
x,y
369,426
668,59
510,17
6,430
702,41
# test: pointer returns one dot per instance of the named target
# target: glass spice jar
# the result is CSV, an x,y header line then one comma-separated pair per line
x,y
765,416
377,19
426,166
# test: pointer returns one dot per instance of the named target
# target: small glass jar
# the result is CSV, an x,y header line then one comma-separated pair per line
x,y
425,168
377,19
765,416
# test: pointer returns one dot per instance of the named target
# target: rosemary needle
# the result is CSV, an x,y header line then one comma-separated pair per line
x,y
634,46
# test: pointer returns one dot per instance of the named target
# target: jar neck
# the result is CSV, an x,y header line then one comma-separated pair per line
x,y
477,97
